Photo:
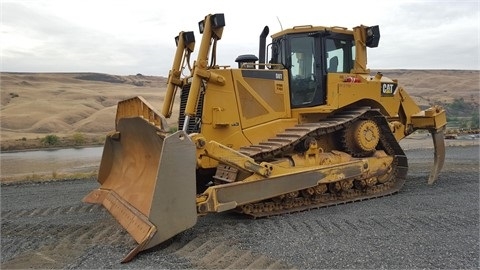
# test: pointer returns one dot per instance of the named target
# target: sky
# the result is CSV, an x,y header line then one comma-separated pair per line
x,y
129,37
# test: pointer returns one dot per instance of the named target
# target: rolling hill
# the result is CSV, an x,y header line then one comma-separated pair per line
x,y
34,105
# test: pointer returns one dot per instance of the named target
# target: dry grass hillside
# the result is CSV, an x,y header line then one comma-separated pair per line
x,y
439,86
34,105
73,105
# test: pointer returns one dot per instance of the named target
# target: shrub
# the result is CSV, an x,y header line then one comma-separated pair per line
x,y
79,138
50,140
475,121
458,104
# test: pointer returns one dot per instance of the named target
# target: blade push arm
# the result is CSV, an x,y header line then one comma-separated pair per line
x,y
185,45
211,29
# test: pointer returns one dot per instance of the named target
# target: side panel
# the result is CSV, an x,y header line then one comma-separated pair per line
x,y
252,105
262,95
220,116
379,93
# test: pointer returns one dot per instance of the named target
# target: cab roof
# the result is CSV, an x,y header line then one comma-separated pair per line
x,y
311,28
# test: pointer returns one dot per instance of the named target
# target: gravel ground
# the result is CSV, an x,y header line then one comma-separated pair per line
x,y
45,225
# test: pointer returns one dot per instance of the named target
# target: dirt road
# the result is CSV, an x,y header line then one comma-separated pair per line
x,y
45,225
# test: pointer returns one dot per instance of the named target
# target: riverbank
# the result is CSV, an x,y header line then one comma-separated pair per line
x,y
51,142
82,162
50,164
414,141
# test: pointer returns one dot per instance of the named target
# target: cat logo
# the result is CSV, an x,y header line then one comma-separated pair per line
x,y
388,89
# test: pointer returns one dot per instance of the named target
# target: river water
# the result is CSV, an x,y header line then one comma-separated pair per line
x,y
54,163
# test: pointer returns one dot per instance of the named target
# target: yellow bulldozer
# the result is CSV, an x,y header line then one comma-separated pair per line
x,y
302,125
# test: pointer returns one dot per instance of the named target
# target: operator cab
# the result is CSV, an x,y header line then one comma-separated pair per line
x,y
309,56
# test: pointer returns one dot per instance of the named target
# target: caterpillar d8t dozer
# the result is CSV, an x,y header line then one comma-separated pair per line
x,y
303,125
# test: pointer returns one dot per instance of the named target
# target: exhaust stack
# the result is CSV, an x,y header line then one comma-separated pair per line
x,y
262,49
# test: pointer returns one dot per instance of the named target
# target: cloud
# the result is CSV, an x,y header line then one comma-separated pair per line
x,y
38,40
129,37
428,35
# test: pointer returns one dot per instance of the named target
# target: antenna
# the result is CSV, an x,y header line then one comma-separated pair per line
x,y
281,27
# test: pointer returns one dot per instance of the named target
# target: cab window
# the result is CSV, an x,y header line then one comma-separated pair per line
x,y
340,55
302,70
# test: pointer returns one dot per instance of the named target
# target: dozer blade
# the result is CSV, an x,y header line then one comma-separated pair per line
x,y
147,182
439,154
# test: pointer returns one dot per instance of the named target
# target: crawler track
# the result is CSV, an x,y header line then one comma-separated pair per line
x,y
286,141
